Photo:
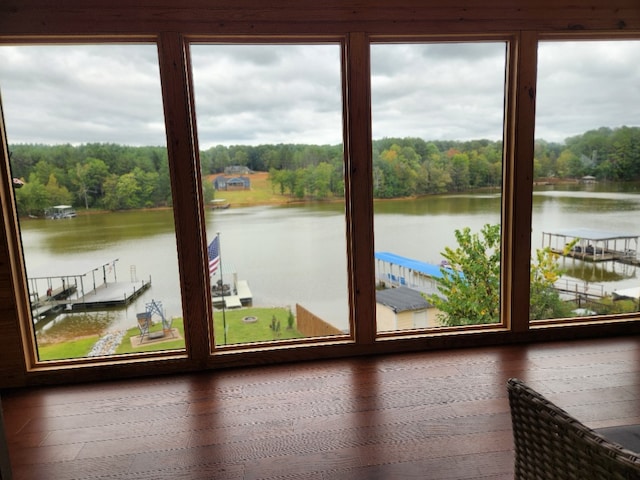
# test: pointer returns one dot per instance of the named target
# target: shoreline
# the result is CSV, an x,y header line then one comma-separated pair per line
x,y
281,200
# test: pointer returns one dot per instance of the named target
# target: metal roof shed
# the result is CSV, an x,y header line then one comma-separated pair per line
x,y
401,299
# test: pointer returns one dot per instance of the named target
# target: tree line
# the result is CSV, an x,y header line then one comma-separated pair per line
x,y
106,176
117,177
606,153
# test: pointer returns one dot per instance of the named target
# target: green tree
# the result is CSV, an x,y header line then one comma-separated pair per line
x,y
219,159
276,179
568,165
460,172
397,172
44,169
122,193
57,194
470,284
32,198
87,180
240,156
78,177
208,191
479,170
545,301
147,187
96,174
625,152
320,180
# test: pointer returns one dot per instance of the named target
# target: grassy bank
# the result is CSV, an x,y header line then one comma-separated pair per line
x,y
261,192
242,326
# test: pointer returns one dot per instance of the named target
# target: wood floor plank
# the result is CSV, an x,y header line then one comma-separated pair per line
x,y
432,415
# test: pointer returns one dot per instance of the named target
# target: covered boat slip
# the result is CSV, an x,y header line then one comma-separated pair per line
x,y
593,245
397,271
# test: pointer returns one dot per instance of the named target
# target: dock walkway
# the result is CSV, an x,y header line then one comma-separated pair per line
x,y
110,295
83,291
242,297
105,296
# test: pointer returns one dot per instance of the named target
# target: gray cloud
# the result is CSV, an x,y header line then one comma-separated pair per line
x,y
78,94
586,85
445,91
252,94
267,94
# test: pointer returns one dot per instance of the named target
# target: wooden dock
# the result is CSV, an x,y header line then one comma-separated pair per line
x,y
579,291
241,298
118,294
83,291
111,295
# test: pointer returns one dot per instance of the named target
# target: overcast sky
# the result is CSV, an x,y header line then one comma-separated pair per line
x,y
255,94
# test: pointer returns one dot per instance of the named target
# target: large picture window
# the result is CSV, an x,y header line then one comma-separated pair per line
x,y
438,111
270,130
93,194
586,169
351,192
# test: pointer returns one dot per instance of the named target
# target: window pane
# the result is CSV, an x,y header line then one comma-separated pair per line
x,y
270,132
586,204
88,154
437,172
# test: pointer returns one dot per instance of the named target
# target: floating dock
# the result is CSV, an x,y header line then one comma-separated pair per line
x,y
83,291
229,292
241,298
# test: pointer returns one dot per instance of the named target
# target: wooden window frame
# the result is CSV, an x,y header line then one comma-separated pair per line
x,y
182,145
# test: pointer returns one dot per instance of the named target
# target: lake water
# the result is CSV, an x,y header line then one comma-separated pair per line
x,y
296,254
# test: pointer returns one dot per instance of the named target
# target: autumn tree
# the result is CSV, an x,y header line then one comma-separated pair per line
x,y
545,301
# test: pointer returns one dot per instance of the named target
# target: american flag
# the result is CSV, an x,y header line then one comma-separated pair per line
x,y
214,255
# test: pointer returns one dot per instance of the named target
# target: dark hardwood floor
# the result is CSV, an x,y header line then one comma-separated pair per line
x,y
435,415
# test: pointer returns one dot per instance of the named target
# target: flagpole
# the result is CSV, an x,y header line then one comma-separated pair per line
x,y
224,318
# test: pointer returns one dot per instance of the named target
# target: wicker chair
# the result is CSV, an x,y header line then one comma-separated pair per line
x,y
552,445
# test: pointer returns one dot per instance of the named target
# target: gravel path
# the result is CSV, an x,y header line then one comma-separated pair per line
x,y
107,344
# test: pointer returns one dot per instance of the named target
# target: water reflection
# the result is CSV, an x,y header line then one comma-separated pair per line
x,y
598,272
481,203
98,231
273,246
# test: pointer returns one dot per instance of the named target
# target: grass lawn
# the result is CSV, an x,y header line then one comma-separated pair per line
x,y
63,350
238,332
261,192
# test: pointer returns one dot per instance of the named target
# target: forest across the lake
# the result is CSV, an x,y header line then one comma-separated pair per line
x,y
120,177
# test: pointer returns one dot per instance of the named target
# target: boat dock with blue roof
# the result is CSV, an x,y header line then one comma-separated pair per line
x,y
397,271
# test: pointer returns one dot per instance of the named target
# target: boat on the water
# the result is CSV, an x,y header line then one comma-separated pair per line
x,y
60,211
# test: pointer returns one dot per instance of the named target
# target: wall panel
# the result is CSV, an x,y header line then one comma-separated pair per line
x,y
333,16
